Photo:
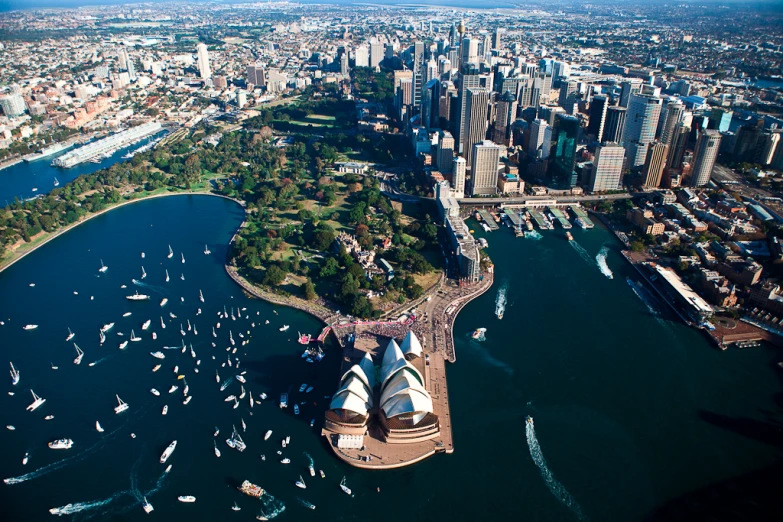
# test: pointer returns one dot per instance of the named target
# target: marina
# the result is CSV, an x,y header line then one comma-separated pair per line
x,y
106,146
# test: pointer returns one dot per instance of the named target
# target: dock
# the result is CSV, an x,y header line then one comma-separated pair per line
x,y
540,220
560,217
581,213
488,219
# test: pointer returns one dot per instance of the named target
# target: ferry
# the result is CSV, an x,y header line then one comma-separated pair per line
x,y
167,453
569,236
61,444
251,490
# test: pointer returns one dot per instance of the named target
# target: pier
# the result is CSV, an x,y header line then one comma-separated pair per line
x,y
540,220
106,146
581,213
561,217
488,219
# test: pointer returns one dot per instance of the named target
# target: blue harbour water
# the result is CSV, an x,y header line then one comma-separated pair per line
x,y
633,411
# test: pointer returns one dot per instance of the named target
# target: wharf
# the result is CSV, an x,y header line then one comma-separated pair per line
x,y
581,213
540,220
488,219
515,218
560,217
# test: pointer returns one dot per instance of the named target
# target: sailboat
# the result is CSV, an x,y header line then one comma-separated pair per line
x,y
182,277
200,296
103,267
79,354
133,337
167,275
71,335
56,182
235,441
37,401
121,406
235,507
244,426
14,375
143,273
213,332
103,338
98,427
146,324
217,451
345,488
301,483
207,251
183,257
171,253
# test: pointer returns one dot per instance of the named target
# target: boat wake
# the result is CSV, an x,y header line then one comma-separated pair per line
x,y
492,361
500,300
533,234
157,289
101,360
272,506
584,254
309,458
70,509
601,260
555,487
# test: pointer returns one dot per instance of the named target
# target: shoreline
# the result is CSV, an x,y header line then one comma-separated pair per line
x,y
70,227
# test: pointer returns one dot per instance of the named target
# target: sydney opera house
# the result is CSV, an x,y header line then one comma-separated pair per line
x,y
388,402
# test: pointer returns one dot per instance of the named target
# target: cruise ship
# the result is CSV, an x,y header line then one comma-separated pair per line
x,y
168,452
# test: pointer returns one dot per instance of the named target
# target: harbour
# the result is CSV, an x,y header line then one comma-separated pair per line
x,y
527,365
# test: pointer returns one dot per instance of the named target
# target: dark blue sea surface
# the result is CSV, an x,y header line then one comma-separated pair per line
x,y
634,413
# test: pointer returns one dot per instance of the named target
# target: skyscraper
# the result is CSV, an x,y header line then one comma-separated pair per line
x,y
566,133
598,110
671,115
720,119
445,152
771,144
540,139
626,90
640,124
430,104
657,155
704,157
484,173
476,124
505,116
469,79
469,51
677,147
376,54
362,56
458,176
203,61
615,124
497,38
607,169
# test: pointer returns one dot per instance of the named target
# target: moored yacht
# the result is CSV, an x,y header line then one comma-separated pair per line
x,y
79,354
37,401
146,324
137,297
61,444
171,253
71,335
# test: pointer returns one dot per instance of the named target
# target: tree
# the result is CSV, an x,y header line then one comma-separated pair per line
x,y
638,246
309,290
329,269
274,276
323,239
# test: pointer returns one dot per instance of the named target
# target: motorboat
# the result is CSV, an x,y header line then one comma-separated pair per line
x,y
217,451
121,405
167,453
200,296
284,328
156,368
30,326
106,327
345,488
25,459
155,392
163,303
123,345
267,434
165,409
285,461
61,444
173,388
157,355
137,297
49,417
186,498
98,427
147,506
146,324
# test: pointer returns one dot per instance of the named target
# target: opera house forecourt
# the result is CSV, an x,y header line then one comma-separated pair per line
x,y
383,416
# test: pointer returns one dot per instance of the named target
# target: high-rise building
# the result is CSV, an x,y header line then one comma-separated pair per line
x,y
505,116
12,105
344,64
445,151
476,124
497,38
704,157
607,171
640,124
771,144
484,172
566,137
459,169
626,90
256,74
567,90
671,115
657,155
678,145
430,104
468,51
469,79
540,139
362,56
376,54
403,97
241,99
720,119
615,124
598,109
203,61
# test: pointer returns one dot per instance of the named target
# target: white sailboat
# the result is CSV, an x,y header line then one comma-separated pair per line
x,y
37,401
301,483
207,251
217,451
14,375
71,335
103,267
171,253
143,273
133,337
200,296
98,427
183,258
79,354
167,275
121,405
182,277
